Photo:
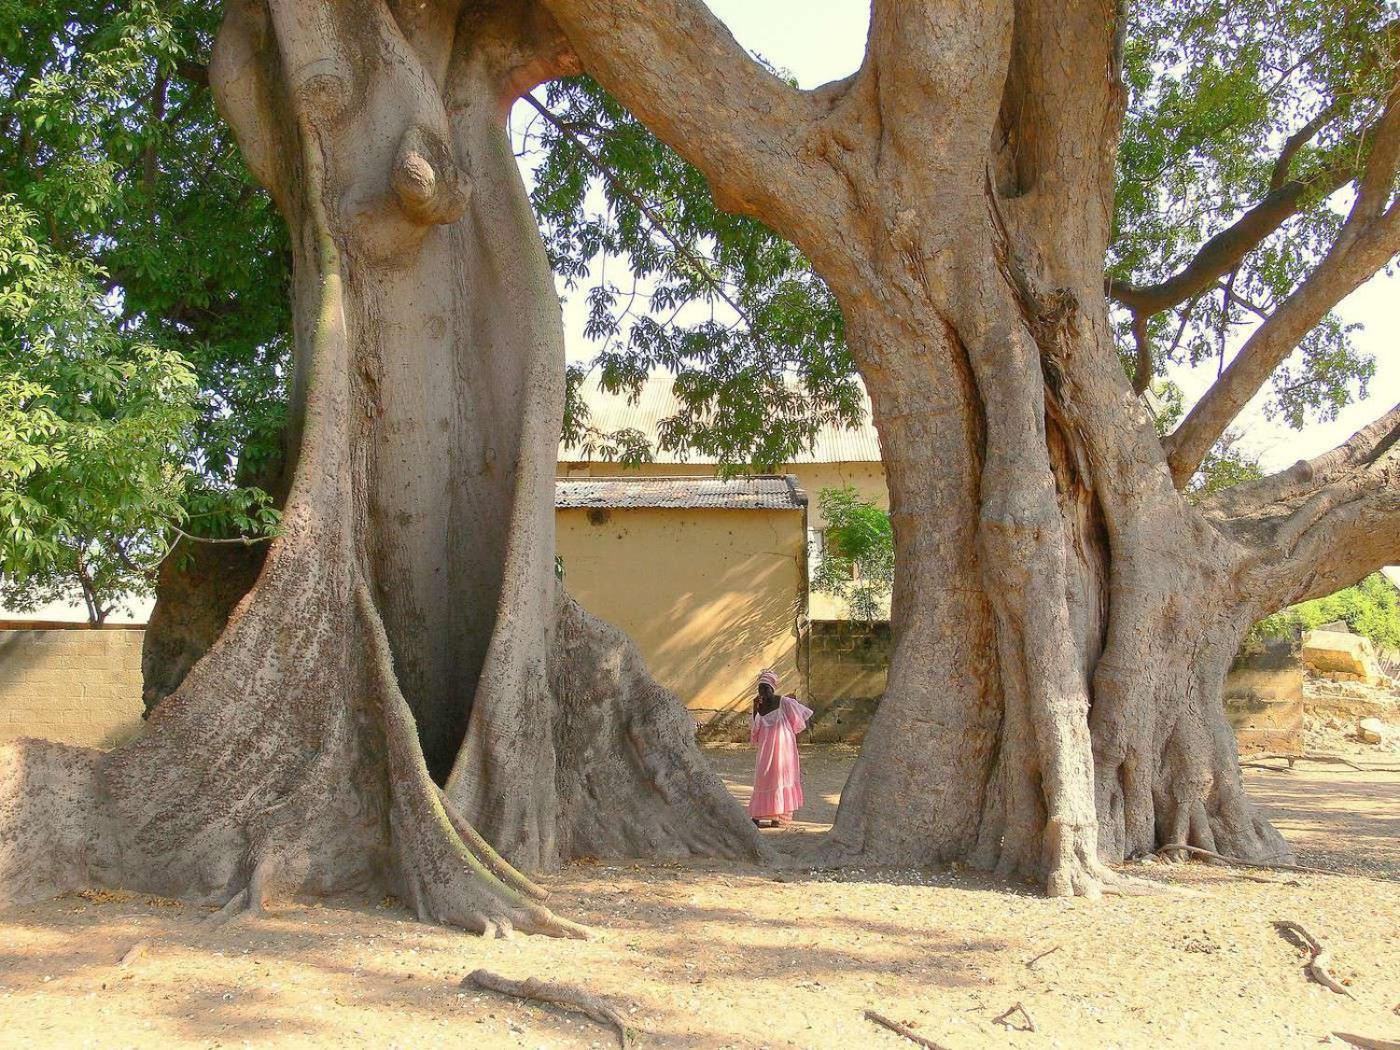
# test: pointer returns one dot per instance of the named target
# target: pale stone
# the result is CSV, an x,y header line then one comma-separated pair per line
x,y
1334,653
1371,730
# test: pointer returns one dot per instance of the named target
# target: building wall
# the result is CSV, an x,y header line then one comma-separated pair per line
x,y
711,597
867,478
76,686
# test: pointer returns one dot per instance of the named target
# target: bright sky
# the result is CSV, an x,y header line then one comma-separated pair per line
x,y
823,40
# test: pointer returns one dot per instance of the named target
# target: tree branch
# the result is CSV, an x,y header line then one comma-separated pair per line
x,y
681,72
1368,239
1323,523
683,250
1224,252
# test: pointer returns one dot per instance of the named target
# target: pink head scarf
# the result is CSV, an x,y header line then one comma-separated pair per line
x,y
770,678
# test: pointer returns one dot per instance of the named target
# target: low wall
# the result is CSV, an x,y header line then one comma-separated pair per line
x,y
76,686
1264,699
847,662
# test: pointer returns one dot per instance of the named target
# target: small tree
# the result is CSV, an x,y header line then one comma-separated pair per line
x,y
857,565
96,439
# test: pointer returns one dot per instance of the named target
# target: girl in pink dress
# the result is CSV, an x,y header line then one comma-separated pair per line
x,y
777,780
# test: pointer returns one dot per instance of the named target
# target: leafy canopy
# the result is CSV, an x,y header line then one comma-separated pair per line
x,y
1216,90
1371,608
143,301
119,168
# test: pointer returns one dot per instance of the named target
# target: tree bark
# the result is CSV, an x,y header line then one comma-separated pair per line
x,y
402,703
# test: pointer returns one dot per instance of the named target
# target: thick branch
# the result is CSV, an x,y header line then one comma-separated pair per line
x,y
1352,261
1368,240
1224,252
682,73
1323,523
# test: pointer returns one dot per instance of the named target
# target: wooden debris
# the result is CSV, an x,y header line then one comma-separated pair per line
x,y
901,1030
1030,965
1005,1019
1365,1042
1318,959
556,994
1257,762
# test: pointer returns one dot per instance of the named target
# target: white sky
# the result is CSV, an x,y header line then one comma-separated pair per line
x,y
824,40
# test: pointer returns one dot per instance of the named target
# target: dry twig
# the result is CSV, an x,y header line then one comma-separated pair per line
x,y
1319,958
556,994
1005,1019
1030,965
907,1033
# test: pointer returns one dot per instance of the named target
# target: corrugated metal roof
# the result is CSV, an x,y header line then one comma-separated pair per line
x,y
658,401
764,492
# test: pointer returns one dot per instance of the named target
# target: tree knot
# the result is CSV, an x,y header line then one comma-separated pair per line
x,y
430,187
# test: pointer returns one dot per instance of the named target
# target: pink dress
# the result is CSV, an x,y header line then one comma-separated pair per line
x,y
777,783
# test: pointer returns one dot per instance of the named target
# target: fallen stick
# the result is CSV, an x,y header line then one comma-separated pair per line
x,y
1365,1042
1318,959
907,1033
1005,1019
556,994
1255,761
1048,951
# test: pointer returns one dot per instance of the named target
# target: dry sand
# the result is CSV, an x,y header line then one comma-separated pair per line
x,y
732,956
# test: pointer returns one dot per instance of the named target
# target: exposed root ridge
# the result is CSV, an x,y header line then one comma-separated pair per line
x,y
631,780
556,994
445,879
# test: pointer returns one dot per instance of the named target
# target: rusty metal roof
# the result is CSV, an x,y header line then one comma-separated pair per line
x,y
658,401
763,492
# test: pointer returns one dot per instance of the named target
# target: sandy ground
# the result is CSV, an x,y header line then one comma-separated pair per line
x,y
732,956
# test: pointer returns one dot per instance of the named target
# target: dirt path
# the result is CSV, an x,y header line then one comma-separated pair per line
x,y
728,956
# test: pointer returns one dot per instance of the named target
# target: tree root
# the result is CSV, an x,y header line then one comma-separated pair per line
x,y
556,994
1260,864
899,1029
1005,1019
493,861
1319,956
1310,756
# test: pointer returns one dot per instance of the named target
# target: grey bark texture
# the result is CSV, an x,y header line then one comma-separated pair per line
x,y
1063,616
403,702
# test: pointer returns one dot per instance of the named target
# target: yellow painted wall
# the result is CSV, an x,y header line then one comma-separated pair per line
x,y
79,686
868,479
709,596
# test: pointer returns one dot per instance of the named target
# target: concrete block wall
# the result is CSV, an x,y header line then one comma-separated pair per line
x,y
847,663
1264,699
76,686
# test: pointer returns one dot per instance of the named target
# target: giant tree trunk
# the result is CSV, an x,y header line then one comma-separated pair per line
x,y
403,684
1082,721
1063,617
